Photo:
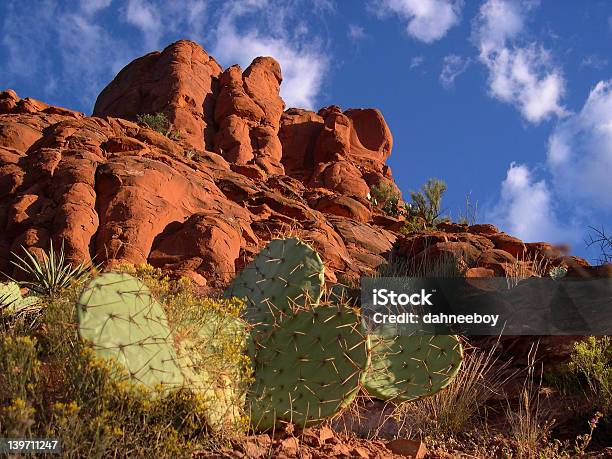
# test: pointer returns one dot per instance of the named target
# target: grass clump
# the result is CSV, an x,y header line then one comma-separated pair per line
x,y
456,408
159,122
446,265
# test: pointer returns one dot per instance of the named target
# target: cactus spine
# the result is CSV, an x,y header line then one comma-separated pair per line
x,y
408,367
308,366
287,272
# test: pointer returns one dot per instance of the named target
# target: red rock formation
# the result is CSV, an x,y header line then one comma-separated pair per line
x,y
484,251
248,111
343,152
112,190
242,173
180,82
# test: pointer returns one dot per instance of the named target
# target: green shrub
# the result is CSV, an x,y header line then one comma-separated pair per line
x,y
385,197
591,361
16,419
109,416
159,122
423,212
19,367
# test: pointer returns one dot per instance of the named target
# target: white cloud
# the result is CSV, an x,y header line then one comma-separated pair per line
x,y
82,54
158,19
145,17
579,160
594,61
452,66
580,151
93,6
426,20
499,22
89,54
356,32
416,61
302,62
524,76
525,208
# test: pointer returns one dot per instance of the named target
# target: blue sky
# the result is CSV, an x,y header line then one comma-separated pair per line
x,y
508,101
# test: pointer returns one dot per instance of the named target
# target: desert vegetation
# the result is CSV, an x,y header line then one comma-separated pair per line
x,y
159,122
76,364
422,212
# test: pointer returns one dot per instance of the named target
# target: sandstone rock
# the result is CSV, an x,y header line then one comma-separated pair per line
x,y
343,206
247,111
206,243
18,136
8,101
343,177
479,273
299,131
485,229
179,81
587,272
409,448
509,244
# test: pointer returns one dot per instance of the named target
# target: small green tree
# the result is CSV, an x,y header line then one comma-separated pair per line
x,y
424,209
158,122
385,196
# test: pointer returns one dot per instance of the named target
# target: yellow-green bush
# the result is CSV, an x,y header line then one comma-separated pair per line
x,y
53,385
19,367
210,338
591,361
108,415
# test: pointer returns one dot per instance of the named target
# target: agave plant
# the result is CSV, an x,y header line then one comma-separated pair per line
x,y
50,273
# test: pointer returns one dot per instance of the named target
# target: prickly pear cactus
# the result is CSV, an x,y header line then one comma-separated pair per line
x,y
11,301
120,318
406,368
280,276
308,367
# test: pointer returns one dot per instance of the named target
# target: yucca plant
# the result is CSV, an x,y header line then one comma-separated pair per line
x,y
51,273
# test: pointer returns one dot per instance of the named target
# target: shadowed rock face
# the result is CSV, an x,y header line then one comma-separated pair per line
x,y
243,171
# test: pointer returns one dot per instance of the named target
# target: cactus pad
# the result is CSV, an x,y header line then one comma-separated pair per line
x,y
281,275
308,367
11,300
406,367
120,318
